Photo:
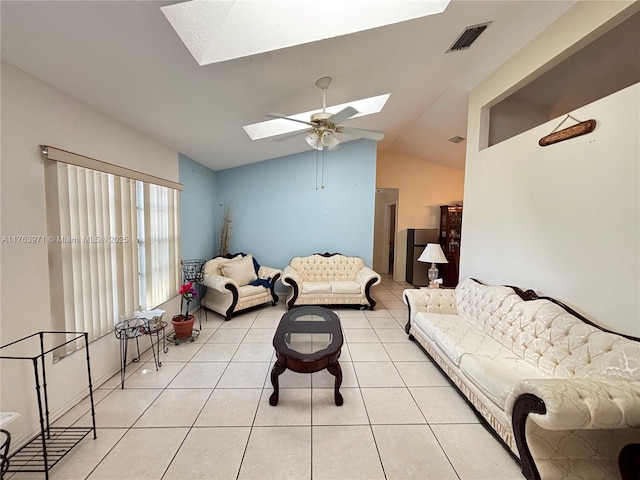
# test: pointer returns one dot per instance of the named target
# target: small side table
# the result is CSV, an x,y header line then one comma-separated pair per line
x,y
154,326
133,327
156,329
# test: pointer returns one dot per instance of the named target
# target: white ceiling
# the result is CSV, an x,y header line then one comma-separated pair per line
x,y
124,58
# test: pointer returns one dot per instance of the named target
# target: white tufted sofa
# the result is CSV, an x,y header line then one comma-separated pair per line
x,y
563,394
329,279
226,295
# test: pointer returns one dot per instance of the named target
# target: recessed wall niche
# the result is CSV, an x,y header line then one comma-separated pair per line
x,y
606,65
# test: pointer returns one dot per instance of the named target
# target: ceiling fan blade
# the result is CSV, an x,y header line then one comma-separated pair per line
x,y
342,115
277,115
361,133
286,136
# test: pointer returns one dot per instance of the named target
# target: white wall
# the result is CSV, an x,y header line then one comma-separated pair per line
x,y
35,113
564,219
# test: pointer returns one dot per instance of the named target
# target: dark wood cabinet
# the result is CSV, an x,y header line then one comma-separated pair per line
x,y
450,237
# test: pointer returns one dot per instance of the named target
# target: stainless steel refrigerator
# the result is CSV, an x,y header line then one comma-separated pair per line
x,y
417,239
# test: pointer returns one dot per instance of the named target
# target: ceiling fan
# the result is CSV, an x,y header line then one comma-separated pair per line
x,y
325,126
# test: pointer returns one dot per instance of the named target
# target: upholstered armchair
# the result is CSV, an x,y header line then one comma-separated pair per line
x,y
236,282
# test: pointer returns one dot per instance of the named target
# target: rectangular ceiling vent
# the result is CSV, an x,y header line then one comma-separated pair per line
x,y
456,139
467,37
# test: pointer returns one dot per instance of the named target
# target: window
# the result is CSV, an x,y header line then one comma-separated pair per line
x,y
157,243
113,245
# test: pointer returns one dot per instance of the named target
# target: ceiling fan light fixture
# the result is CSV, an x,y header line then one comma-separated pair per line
x,y
324,139
314,141
329,140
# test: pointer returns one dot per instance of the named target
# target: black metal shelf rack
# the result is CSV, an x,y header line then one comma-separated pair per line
x,y
192,269
45,450
192,272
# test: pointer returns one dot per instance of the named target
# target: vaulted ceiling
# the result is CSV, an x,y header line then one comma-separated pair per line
x,y
125,59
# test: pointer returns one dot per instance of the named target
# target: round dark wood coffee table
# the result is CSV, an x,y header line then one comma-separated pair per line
x,y
308,339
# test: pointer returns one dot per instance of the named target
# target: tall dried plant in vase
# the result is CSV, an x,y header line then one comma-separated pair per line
x,y
225,229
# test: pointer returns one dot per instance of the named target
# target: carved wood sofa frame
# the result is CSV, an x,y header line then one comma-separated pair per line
x,y
367,289
529,403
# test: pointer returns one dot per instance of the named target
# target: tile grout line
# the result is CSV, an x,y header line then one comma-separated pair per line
x,y
314,384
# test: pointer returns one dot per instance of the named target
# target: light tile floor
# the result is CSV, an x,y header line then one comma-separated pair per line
x,y
206,415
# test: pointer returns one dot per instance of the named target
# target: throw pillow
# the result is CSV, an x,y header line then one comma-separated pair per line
x,y
212,267
241,271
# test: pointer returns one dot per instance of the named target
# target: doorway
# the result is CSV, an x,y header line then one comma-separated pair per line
x,y
390,234
385,233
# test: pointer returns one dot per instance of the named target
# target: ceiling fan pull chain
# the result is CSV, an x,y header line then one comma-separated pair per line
x,y
317,161
322,169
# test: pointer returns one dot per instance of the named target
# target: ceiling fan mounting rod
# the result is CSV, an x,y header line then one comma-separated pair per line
x,y
323,83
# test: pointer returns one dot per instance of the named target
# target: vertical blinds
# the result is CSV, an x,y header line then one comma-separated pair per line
x,y
116,244
98,250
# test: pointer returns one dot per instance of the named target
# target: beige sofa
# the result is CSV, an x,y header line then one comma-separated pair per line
x,y
561,393
329,279
233,284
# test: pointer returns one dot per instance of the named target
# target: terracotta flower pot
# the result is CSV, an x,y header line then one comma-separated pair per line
x,y
181,327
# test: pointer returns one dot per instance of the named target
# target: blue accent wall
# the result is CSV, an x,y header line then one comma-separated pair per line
x,y
280,211
198,210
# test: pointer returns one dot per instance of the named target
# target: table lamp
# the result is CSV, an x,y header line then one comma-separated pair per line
x,y
433,254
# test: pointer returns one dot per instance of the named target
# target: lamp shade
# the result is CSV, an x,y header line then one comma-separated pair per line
x,y
327,139
314,141
330,140
433,254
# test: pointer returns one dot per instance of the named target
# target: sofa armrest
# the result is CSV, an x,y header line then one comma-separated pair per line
x,y
269,272
219,283
367,278
273,274
365,274
291,278
572,404
569,404
289,275
430,300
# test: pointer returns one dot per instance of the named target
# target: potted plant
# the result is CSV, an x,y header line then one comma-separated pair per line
x,y
183,324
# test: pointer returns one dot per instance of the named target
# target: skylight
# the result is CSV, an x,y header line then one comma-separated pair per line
x,y
279,126
219,30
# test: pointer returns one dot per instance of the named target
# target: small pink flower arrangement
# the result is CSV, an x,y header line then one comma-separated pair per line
x,y
188,295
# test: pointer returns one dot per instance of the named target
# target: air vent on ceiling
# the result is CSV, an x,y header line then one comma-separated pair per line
x,y
456,139
467,37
